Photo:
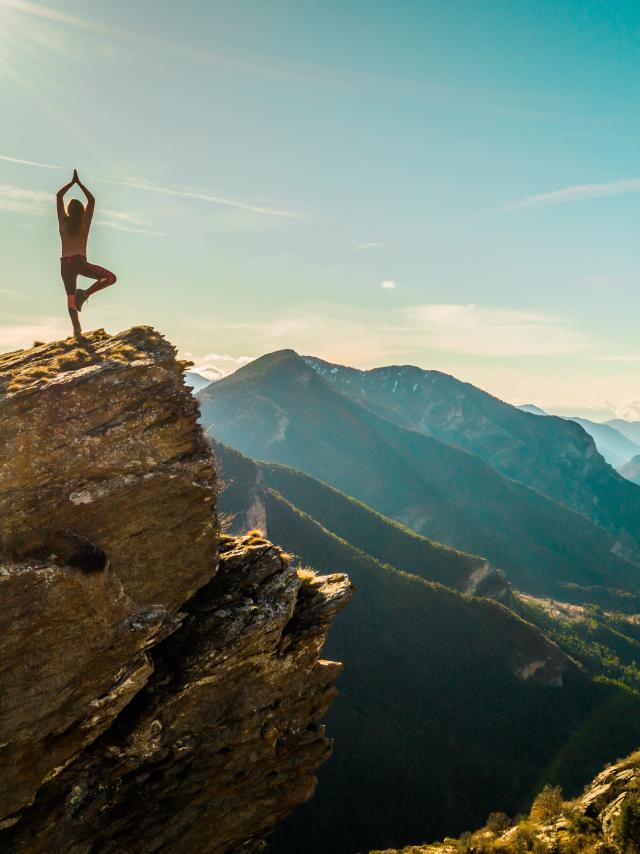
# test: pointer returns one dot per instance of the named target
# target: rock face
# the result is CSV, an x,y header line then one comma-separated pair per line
x,y
172,700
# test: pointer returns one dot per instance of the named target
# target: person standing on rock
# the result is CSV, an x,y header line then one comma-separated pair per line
x,y
74,224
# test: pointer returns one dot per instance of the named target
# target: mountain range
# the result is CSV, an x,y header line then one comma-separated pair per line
x,y
281,409
617,440
485,544
549,453
615,447
631,469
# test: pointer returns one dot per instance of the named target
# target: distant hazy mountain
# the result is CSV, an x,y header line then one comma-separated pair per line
x,y
616,448
196,381
532,409
553,455
453,702
631,470
279,409
630,429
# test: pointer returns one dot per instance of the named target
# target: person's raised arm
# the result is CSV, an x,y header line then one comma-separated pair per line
x,y
60,199
91,202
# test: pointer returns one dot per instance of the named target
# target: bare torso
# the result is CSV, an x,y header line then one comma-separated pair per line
x,y
74,244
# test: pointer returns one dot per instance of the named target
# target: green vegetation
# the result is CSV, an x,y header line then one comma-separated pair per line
x,y
429,705
433,729
607,644
382,538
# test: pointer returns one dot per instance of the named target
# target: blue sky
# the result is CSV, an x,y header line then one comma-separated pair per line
x,y
450,184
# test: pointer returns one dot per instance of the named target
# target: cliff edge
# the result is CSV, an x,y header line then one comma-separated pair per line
x,y
161,686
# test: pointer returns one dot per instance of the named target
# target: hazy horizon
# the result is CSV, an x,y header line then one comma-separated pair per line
x,y
442,184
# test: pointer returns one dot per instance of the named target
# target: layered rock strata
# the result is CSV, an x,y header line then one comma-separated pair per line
x,y
169,696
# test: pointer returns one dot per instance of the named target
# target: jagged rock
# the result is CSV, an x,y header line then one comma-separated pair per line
x,y
101,438
173,700
72,658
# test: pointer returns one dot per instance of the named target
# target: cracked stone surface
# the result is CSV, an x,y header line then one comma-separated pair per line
x,y
172,701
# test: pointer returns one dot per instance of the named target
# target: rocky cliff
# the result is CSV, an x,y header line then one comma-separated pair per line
x,y
161,686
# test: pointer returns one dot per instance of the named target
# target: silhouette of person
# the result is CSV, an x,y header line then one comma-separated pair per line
x,y
74,224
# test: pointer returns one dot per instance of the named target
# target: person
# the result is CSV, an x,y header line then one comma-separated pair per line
x,y
74,224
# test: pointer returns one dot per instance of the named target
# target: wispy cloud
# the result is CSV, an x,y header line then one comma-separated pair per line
x,y
128,221
7,292
20,200
628,409
362,247
169,190
477,330
14,337
388,285
130,217
202,195
119,226
27,162
214,366
577,193
373,336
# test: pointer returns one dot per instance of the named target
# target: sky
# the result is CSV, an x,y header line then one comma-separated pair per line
x,y
449,184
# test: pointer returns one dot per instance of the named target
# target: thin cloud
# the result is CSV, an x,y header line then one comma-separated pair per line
x,y
374,336
361,247
578,193
119,226
388,285
182,192
202,195
20,200
214,366
7,292
476,330
27,162
629,409
125,216
22,335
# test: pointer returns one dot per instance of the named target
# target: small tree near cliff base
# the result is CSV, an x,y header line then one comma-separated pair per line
x,y
547,805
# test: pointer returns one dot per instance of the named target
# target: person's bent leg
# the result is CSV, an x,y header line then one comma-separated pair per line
x,y
104,278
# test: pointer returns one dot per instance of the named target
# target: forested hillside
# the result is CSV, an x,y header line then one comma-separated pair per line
x,y
451,700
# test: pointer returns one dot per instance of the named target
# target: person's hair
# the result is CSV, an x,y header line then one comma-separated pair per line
x,y
75,213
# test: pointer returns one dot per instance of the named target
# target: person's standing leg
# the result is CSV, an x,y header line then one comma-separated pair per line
x,y
68,271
